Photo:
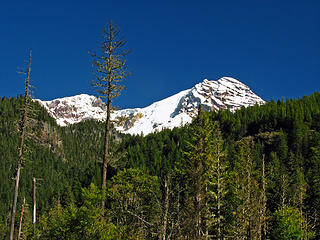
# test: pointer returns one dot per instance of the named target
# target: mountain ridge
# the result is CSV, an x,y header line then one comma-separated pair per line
x,y
176,110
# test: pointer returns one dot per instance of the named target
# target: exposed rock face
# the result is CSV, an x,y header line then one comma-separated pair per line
x,y
75,109
225,93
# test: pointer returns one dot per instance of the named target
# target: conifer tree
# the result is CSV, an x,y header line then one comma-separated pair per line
x,y
216,182
195,204
206,179
247,193
291,225
263,218
135,204
110,69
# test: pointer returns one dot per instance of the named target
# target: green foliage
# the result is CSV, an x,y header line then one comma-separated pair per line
x,y
72,222
135,203
4,231
68,159
205,174
290,225
247,193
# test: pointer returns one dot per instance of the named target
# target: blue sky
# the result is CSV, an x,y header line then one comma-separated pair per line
x,y
271,46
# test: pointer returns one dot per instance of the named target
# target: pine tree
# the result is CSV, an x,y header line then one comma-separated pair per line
x,y
110,69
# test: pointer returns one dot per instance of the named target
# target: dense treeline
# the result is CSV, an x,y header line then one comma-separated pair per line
x,y
37,154
252,174
281,137
46,152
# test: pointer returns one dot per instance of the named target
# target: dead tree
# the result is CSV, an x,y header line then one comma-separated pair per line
x,y
167,186
34,203
264,199
109,69
20,155
21,216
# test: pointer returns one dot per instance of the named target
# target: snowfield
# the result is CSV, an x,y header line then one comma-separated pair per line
x,y
174,111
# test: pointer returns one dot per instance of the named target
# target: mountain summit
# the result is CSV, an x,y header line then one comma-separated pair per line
x,y
177,110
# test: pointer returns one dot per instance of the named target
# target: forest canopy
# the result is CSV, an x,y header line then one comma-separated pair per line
x,y
252,174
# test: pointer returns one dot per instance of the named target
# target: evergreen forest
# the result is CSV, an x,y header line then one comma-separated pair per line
x,y
251,174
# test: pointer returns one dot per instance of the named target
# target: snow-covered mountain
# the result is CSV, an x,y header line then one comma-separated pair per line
x,y
177,110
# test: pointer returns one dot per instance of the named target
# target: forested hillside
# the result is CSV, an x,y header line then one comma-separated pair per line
x,y
252,174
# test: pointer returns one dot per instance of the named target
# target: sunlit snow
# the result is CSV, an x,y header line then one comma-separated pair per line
x,y
174,111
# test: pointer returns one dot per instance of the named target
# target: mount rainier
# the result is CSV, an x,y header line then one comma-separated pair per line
x,y
177,110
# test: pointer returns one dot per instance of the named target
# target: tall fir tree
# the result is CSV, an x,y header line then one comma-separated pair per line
x,y
110,69
216,176
247,193
206,175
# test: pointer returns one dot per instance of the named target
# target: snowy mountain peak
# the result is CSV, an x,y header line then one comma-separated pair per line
x,y
177,110
226,93
70,110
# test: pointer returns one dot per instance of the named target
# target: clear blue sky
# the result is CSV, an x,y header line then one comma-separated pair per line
x,y
271,46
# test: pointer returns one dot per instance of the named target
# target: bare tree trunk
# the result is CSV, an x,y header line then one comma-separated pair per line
x,y
198,211
166,208
284,183
105,157
34,202
23,126
264,200
219,190
248,204
21,216
178,214
207,214
107,130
